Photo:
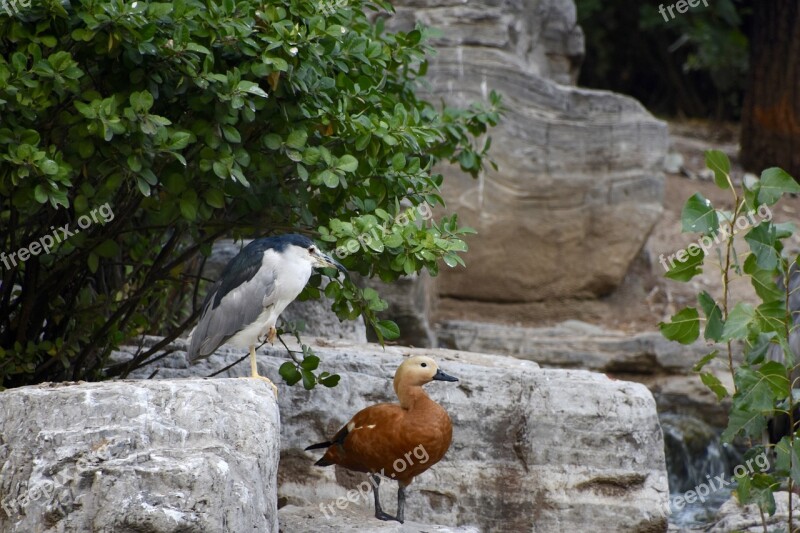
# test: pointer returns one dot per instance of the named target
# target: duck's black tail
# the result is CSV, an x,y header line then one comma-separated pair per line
x,y
325,444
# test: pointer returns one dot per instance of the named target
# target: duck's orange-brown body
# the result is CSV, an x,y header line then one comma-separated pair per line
x,y
398,441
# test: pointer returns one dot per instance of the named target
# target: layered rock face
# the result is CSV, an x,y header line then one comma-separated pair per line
x,y
533,449
578,187
665,367
139,456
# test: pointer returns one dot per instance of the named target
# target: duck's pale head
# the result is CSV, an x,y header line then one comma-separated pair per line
x,y
419,370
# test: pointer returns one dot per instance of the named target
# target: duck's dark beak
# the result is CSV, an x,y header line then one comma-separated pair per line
x,y
441,376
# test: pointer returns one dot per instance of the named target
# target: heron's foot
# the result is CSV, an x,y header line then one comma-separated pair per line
x,y
380,515
267,381
272,334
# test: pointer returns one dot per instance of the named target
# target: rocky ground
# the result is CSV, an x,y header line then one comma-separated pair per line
x,y
646,297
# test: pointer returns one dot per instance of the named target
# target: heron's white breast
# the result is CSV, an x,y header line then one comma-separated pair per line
x,y
292,271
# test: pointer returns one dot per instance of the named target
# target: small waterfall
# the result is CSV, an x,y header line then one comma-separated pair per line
x,y
694,454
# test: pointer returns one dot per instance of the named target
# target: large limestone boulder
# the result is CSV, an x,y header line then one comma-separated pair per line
x,y
181,456
533,449
579,185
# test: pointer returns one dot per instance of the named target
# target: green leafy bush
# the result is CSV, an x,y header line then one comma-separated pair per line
x,y
763,380
189,121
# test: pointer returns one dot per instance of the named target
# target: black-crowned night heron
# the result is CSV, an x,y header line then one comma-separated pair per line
x,y
242,307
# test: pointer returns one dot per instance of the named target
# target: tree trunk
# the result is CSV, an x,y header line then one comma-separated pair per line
x,y
771,114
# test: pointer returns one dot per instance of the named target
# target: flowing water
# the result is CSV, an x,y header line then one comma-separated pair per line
x,y
695,456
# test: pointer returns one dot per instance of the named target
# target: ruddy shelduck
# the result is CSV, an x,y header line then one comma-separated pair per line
x,y
399,441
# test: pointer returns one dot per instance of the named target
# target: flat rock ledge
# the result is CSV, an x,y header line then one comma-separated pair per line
x,y
295,519
189,455
540,450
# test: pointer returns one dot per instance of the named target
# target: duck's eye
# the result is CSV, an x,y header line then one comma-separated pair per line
x,y
424,365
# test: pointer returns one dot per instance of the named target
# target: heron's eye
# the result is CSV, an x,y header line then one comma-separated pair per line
x,y
424,365
311,249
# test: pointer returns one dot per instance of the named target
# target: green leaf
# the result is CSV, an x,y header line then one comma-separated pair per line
x,y
388,329
699,216
329,381
771,316
714,323
757,347
231,134
297,139
310,362
107,249
347,163
93,262
685,270
252,88
272,141
712,382
721,165
705,360
738,323
774,183
684,327
309,380
40,194
215,198
763,281
330,179
188,204
753,423
48,167
398,161
762,241
288,371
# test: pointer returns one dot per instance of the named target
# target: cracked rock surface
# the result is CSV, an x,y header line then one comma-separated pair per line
x,y
533,449
173,456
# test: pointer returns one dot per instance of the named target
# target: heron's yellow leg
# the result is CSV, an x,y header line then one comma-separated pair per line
x,y
254,371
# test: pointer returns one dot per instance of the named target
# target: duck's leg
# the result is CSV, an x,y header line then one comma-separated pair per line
x,y
401,502
379,514
254,370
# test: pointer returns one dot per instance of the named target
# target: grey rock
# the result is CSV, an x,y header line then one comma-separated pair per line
x,y
673,163
181,456
575,344
579,180
747,519
665,367
533,449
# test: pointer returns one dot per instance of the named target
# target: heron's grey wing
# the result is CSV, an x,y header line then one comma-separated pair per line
x,y
234,302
